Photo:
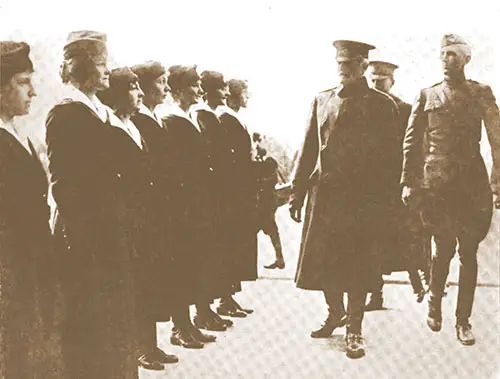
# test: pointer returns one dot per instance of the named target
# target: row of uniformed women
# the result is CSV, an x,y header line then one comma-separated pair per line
x,y
153,215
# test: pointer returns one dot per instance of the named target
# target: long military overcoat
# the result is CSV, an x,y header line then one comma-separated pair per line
x,y
346,167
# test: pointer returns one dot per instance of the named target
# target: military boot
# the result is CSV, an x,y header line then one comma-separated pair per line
x,y
331,323
434,317
355,346
464,334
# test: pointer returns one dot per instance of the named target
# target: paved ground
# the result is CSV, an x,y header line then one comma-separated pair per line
x,y
274,342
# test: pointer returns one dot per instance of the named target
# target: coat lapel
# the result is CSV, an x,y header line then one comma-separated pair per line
x,y
327,116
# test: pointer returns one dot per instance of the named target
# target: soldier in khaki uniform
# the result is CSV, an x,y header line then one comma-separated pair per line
x,y
442,161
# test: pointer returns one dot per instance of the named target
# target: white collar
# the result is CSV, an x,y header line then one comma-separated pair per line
x,y
128,127
174,109
11,128
147,112
221,109
95,105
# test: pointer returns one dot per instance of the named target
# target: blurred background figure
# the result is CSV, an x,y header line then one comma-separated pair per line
x,y
29,331
267,171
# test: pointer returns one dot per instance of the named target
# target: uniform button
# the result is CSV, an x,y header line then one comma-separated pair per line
x,y
210,168
119,175
151,183
232,150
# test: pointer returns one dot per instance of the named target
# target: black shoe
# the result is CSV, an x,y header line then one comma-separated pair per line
x,y
183,337
240,308
434,317
355,346
150,363
465,335
165,358
276,264
209,323
376,303
330,324
198,335
225,310
224,321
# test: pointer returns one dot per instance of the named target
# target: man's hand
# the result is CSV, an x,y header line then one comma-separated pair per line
x,y
406,195
295,212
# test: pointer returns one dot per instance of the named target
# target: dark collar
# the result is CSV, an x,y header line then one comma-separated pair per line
x,y
457,81
356,88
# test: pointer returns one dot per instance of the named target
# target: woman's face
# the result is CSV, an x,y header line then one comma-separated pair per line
x,y
135,96
158,90
99,76
191,94
16,94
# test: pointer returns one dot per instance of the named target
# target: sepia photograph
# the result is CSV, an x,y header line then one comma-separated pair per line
x,y
249,189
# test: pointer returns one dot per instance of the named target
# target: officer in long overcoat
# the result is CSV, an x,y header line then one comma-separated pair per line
x,y
406,247
344,168
442,161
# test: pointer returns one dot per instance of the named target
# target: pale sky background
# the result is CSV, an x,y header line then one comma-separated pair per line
x,y
283,48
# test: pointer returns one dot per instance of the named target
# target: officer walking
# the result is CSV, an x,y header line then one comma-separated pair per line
x,y
350,140
445,125
406,244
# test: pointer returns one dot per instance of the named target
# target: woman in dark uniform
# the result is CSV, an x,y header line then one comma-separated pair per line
x,y
217,268
29,344
241,195
98,282
191,229
141,201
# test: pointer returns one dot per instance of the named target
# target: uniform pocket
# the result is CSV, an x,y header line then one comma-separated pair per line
x,y
439,170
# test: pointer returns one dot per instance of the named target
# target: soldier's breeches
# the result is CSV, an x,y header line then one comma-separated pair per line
x,y
445,250
467,280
